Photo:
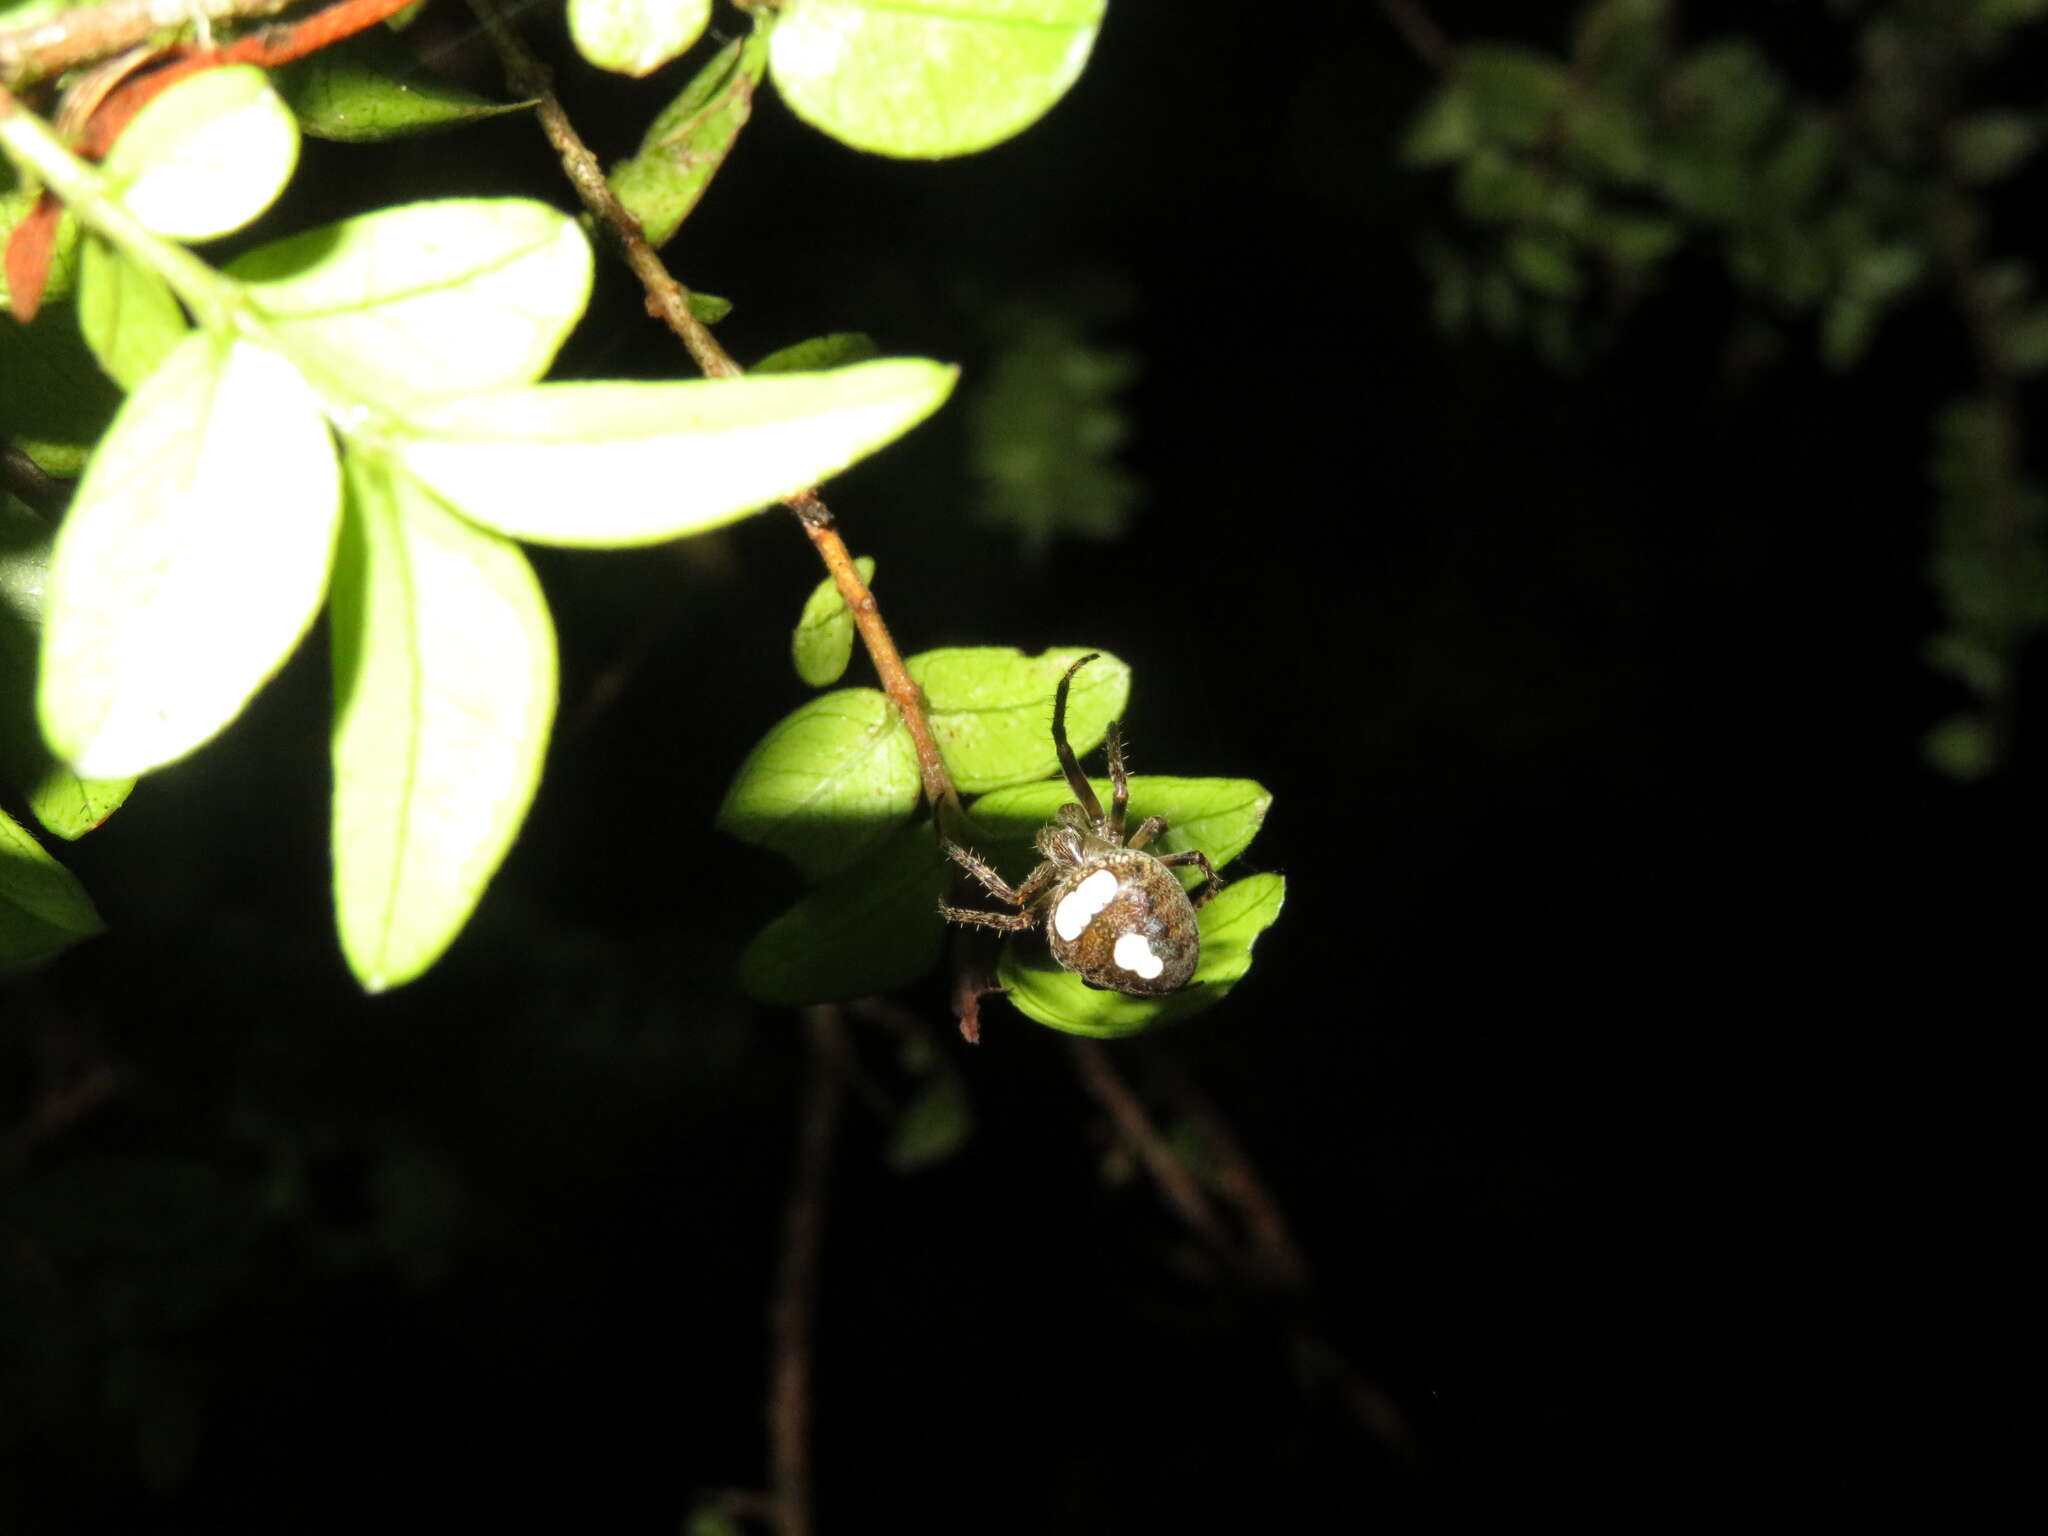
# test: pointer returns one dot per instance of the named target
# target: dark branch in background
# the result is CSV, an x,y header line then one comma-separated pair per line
x,y
70,38
35,485
1422,33
669,301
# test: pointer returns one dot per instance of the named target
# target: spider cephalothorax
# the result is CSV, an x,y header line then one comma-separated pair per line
x,y
1114,914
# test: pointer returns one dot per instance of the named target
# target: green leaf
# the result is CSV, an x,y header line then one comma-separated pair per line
x,y
829,782
191,561
933,1125
1220,817
43,908
207,156
427,302
55,402
1991,145
1515,93
607,465
709,307
128,314
929,78
65,804
685,146
1231,925
1544,263
990,708
635,37
1444,132
834,351
371,88
870,928
444,690
823,642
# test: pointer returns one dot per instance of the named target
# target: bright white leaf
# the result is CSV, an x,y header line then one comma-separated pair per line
x,y
191,561
928,78
635,37
444,683
428,301
616,464
207,156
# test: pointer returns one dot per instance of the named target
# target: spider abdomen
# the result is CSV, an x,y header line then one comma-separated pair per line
x,y
1121,922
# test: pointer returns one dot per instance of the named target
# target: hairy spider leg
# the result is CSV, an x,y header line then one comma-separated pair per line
x,y
1148,829
1213,882
1069,764
1119,783
1021,897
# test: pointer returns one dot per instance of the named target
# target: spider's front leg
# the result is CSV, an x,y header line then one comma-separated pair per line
x,y
1119,785
1212,882
1019,897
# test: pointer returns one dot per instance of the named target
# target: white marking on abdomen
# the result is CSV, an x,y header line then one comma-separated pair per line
x,y
1133,954
1077,910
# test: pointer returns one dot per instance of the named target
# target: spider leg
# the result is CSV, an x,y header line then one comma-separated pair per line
x,y
1069,764
1008,922
1201,860
1119,783
1148,829
985,872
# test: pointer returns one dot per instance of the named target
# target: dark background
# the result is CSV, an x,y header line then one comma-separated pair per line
x,y
1630,1057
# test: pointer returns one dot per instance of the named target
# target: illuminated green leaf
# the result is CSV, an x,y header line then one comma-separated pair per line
x,y
128,314
372,87
684,147
990,709
635,37
823,642
207,156
43,908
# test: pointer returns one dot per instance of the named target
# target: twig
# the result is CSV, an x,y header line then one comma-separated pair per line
x,y
796,1285
669,301
1272,1244
58,1108
1175,1179
32,483
70,38
1423,34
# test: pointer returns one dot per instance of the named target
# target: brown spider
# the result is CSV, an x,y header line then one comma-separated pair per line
x,y
1114,915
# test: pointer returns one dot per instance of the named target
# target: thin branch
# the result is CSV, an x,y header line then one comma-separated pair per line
x,y
1272,1244
1177,1182
70,38
1423,34
669,301
796,1286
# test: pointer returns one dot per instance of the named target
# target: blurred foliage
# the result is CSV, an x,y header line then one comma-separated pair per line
x,y
1585,179
1046,422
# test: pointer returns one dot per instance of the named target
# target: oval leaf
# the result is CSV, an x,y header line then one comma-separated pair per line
x,y
444,690
685,146
1219,817
64,803
425,302
990,708
206,156
827,783
192,560
606,465
128,314
371,88
871,927
1059,999
635,37
928,78
833,351
823,642
43,908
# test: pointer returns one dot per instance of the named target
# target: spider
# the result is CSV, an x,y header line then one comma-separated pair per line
x,y
1114,915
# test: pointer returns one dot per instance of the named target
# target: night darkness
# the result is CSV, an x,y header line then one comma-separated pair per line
x,y
1632,1059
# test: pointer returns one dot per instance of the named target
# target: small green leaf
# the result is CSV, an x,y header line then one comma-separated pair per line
x,y
43,908
870,928
933,1125
65,804
635,37
128,314
207,156
1444,132
929,78
371,88
55,402
1992,145
1231,925
444,690
425,302
1544,263
709,307
823,642
191,561
829,782
1515,93
990,708
607,465
685,146
1220,817
835,351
